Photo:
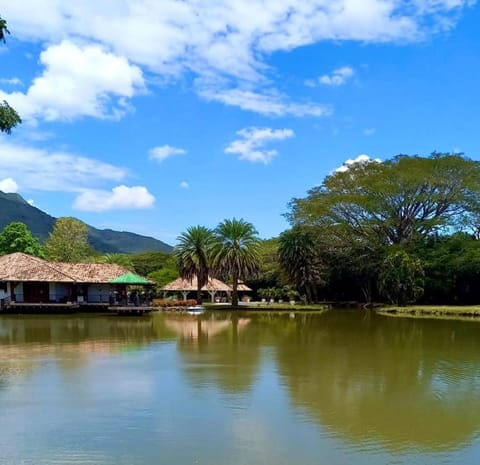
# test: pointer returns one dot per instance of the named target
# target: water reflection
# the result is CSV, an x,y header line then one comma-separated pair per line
x,y
352,378
218,350
406,383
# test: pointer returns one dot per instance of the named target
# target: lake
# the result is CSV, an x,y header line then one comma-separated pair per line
x,y
340,387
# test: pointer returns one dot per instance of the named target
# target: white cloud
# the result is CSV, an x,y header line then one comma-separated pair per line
x,y
370,131
9,186
184,185
119,198
270,103
361,159
251,144
31,202
228,40
164,152
339,77
39,169
78,80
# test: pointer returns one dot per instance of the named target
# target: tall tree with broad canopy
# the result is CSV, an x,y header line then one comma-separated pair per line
x,y
236,252
299,257
8,116
193,255
68,241
394,202
16,237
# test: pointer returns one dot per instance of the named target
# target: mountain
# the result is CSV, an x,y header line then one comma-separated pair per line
x,y
13,207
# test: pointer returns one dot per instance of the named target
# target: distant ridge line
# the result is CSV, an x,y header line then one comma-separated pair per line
x,y
13,207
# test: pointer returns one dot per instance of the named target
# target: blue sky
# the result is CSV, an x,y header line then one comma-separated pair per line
x,y
151,116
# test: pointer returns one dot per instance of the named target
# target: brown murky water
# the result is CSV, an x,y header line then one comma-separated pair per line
x,y
343,387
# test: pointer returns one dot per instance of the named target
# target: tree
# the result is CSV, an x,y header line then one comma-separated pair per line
x,y
236,252
401,278
193,253
3,30
299,257
394,202
270,273
163,276
68,241
147,262
16,237
121,259
8,116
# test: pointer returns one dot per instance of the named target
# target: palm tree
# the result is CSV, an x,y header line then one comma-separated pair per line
x,y
193,255
299,257
236,252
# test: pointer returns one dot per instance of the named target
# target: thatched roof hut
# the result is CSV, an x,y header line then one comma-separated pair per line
x,y
213,286
185,285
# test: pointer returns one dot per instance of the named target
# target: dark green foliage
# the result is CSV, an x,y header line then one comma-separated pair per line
x,y
9,118
401,278
271,273
236,252
147,262
299,256
14,208
3,30
374,223
193,254
121,259
163,276
452,269
16,237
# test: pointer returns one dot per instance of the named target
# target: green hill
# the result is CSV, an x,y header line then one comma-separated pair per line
x,y
13,207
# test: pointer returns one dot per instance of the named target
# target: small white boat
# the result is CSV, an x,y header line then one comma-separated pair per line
x,y
195,310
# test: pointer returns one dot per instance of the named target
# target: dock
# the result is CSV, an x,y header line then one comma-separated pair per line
x,y
131,310
21,307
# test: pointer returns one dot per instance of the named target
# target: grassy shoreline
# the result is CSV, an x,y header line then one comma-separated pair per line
x,y
432,310
427,311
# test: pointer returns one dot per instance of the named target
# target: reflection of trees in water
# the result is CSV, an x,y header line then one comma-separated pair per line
x,y
409,383
219,351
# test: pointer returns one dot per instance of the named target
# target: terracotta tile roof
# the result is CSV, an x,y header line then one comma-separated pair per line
x,y
91,272
23,267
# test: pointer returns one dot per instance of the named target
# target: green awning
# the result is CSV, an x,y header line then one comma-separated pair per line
x,y
129,278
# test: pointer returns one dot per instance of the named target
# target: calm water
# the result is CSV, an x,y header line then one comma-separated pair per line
x,y
335,388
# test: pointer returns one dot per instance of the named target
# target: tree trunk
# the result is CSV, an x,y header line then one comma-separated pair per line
x,y
234,291
199,295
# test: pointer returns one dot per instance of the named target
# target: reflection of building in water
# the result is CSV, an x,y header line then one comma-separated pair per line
x,y
191,327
